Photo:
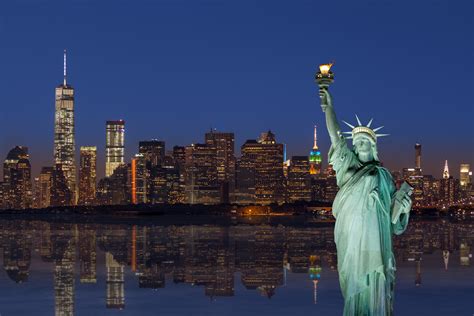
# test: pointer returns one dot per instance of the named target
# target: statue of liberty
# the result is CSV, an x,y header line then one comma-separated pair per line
x,y
368,210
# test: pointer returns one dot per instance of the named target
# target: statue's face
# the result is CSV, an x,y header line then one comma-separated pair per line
x,y
363,148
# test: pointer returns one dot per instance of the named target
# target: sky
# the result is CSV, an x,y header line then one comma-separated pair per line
x,y
174,69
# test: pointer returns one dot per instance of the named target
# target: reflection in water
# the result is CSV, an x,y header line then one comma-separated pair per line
x,y
207,256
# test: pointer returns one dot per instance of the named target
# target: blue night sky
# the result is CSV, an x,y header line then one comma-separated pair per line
x,y
173,69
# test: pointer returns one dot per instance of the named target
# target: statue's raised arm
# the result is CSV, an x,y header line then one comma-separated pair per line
x,y
331,121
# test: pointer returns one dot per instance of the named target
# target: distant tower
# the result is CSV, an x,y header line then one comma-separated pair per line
x,y
114,145
446,170
315,159
417,155
64,133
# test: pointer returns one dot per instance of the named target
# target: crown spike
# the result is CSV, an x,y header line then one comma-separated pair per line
x,y
382,135
347,132
370,122
378,128
351,126
350,137
358,121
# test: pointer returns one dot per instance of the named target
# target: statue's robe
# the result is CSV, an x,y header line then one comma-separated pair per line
x,y
363,232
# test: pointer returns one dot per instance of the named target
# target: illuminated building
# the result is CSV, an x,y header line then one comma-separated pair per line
x,y
115,283
61,195
87,175
418,156
165,184
299,179
45,186
115,190
449,187
245,177
153,152
201,175
64,134
446,170
465,176
431,188
261,167
225,161
179,156
414,176
17,179
139,178
315,159
114,145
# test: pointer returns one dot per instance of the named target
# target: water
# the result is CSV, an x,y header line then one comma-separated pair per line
x,y
245,269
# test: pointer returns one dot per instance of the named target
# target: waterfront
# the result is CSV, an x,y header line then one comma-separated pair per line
x,y
259,269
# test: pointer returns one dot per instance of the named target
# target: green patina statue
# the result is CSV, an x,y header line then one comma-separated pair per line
x,y
368,210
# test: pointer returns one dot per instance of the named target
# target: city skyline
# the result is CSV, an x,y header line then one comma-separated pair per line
x,y
241,90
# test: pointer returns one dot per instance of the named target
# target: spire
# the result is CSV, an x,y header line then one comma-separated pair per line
x,y
446,170
315,139
64,69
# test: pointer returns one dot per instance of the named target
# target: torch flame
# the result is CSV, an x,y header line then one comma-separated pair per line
x,y
324,68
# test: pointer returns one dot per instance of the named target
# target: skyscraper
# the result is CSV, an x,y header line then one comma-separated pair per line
x,y
45,185
225,161
201,174
153,152
315,159
446,170
260,169
61,195
17,179
449,187
465,175
414,176
114,145
87,175
418,155
139,179
299,179
64,134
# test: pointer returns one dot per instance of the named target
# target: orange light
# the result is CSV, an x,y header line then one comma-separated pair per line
x,y
134,178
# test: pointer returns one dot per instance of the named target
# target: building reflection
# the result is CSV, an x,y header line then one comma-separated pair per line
x,y
207,256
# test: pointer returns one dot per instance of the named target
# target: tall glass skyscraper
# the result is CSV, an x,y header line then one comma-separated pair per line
x,y
114,145
64,133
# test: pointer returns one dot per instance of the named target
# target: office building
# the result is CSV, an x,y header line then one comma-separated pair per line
x,y
114,145
64,133
87,175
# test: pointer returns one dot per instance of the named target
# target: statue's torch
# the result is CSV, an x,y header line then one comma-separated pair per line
x,y
324,77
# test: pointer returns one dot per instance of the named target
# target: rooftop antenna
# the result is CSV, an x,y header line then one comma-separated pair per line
x,y
64,70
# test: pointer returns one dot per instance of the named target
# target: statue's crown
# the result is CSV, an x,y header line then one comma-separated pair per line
x,y
363,130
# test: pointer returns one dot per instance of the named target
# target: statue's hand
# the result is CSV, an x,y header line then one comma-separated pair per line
x,y
406,203
326,100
